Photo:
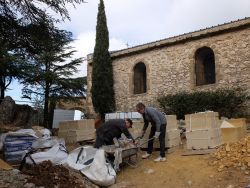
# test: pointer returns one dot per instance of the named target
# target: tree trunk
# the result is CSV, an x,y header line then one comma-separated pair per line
x,y
52,105
46,107
2,94
2,88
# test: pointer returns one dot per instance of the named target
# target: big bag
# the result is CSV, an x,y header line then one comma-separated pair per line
x,y
100,171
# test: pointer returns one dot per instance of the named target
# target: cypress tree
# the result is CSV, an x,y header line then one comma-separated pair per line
x,y
102,75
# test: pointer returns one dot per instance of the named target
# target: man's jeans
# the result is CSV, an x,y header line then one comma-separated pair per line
x,y
161,139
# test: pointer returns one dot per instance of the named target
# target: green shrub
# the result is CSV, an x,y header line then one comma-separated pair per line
x,y
228,102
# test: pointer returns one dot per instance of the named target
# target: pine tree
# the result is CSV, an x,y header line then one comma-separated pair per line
x,y
51,68
102,75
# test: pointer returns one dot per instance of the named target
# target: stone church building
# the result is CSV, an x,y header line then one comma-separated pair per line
x,y
210,58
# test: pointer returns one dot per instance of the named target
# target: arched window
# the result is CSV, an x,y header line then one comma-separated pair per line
x,y
204,66
140,78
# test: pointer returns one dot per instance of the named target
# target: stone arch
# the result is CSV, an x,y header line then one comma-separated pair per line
x,y
205,66
139,78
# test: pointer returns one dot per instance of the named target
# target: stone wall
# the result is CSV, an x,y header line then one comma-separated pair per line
x,y
78,104
170,67
16,115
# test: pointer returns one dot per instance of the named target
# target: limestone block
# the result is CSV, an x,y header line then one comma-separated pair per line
x,y
74,131
74,139
239,122
203,134
204,139
230,133
78,124
173,142
138,125
203,143
63,125
172,134
80,133
171,122
172,139
136,129
202,120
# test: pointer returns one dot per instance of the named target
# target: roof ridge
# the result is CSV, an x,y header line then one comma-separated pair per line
x,y
175,36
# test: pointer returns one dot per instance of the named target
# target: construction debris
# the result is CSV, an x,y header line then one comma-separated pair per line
x,y
235,155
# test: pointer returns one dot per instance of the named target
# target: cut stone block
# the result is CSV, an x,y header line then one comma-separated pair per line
x,y
80,133
172,134
74,131
171,122
173,142
202,120
239,122
62,134
172,139
74,139
203,143
230,133
203,139
78,124
203,134
136,129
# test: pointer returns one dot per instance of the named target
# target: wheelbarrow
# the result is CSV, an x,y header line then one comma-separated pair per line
x,y
126,152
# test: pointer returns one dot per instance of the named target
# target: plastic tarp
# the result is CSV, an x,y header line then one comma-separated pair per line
x,y
46,143
24,132
99,171
57,155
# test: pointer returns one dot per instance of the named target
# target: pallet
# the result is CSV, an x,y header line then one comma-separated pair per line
x,y
198,152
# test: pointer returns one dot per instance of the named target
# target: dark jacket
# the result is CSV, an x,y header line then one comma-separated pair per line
x,y
112,129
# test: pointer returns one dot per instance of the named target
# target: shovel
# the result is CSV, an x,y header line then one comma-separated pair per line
x,y
138,146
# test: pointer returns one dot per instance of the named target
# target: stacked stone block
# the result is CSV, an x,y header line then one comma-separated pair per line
x,y
172,133
203,130
75,131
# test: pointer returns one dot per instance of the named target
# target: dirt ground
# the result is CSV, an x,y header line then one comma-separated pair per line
x,y
179,172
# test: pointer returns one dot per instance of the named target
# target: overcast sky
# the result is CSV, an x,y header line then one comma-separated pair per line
x,y
135,22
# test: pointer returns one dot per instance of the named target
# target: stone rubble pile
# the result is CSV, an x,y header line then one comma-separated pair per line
x,y
235,155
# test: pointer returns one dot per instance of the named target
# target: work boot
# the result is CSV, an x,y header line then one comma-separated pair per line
x,y
160,159
145,156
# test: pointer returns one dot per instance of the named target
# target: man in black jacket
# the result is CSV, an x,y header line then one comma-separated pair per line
x,y
112,129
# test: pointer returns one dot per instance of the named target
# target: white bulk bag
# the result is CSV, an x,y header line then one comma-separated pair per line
x,y
79,160
99,171
57,155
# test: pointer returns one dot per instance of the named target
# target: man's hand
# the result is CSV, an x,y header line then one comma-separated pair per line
x,y
157,134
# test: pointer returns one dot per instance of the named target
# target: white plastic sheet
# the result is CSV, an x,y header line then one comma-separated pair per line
x,y
24,132
46,143
57,155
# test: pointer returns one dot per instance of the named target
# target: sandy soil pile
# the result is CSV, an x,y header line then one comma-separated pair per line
x,y
236,155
